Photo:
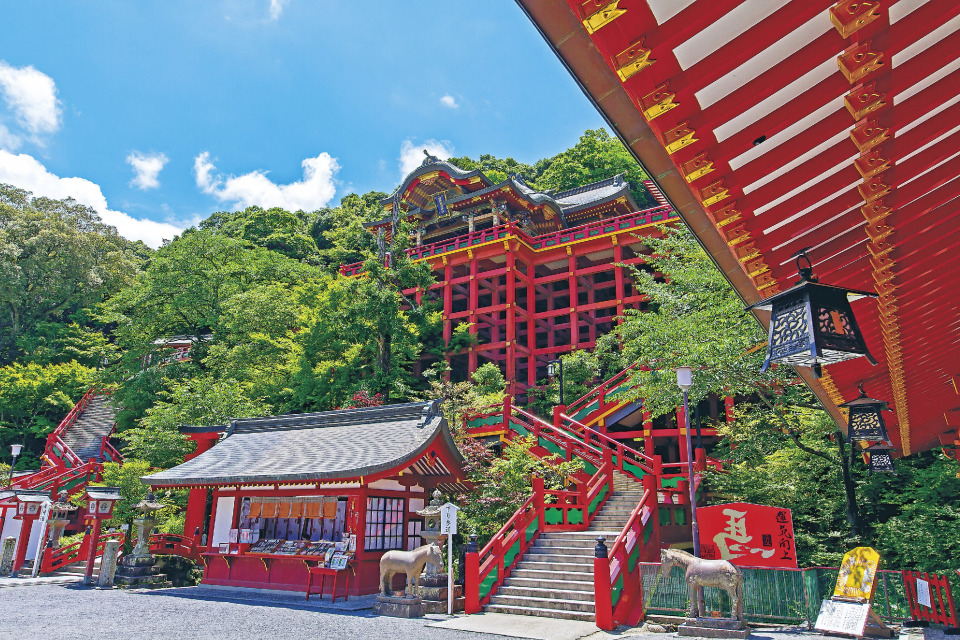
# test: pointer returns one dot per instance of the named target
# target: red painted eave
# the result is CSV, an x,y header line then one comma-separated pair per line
x,y
778,125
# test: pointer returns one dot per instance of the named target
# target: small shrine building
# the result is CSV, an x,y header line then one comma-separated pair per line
x,y
277,495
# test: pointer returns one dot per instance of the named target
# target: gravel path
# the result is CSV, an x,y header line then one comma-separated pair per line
x,y
72,612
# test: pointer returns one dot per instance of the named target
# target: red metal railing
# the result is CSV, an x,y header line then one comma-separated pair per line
x,y
618,594
941,610
53,479
626,459
538,243
54,559
175,544
599,393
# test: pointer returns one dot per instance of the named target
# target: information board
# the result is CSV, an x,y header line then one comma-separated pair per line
x,y
849,618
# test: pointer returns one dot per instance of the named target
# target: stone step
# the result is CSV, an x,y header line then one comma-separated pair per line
x,y
543,603
552,574
543,613
564,543
545,556
549,592
569,569
541,583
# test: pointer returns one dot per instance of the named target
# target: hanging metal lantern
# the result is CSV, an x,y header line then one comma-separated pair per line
x,y
880,459
865,421
812,324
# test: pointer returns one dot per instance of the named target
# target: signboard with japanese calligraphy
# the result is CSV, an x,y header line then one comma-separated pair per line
x,y
748,535
858,574
848,618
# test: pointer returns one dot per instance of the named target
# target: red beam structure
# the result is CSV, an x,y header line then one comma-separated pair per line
x,y
778,125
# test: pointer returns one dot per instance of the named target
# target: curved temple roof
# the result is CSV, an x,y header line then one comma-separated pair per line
x,y
778,125
315,446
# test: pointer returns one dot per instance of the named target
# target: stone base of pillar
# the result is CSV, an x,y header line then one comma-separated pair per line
x,y
6,555
138,572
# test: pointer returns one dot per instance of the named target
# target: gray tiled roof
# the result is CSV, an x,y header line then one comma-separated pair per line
x,y
593,193
314,446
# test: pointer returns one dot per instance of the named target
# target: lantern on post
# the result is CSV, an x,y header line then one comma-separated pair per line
x,y
880,459
865,421
812,324
100,501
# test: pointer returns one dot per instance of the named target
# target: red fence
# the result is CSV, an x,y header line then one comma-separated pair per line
x,y
941,610
176,545
54,559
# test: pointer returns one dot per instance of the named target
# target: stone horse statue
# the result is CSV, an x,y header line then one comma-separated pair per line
x,y
721,574
410,563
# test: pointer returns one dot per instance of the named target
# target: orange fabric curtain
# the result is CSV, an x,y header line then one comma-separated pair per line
x,y
256,508
330,508
312,508
283,509
296,508
269,509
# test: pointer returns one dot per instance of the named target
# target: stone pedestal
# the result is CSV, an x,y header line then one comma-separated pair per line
x,y
713,628
433,592
138,572
6,555
108,564
56,526
398,607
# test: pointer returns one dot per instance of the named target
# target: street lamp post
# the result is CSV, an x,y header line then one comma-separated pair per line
x,y
685,381
554,368
15,449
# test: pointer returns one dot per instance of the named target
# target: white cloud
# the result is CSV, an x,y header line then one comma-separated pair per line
x,y
313,192
276,8
25,172
146,169
411,155
449,101
9,140
31,96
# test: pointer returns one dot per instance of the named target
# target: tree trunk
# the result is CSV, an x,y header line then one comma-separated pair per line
x,y
385,343
853,510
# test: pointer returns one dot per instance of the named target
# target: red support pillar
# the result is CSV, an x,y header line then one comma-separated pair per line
x,y
196,509
601,587
573,288
447,309
618,276
473,303
531,323
23,541
510,314
471,578
92,552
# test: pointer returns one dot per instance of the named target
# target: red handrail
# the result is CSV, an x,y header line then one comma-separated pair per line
x,y
649,464
54,559
602,388
175,544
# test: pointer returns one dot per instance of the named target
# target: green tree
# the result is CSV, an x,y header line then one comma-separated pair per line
x,y
282,231
33,401
596,156
56,258
202,401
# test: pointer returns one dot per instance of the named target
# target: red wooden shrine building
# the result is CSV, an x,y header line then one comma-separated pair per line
x,y
275,494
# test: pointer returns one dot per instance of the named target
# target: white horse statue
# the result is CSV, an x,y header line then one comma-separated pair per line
x,y
410,563
721,574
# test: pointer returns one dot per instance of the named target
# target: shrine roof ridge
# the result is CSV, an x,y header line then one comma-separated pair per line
x,y
328,445
433,164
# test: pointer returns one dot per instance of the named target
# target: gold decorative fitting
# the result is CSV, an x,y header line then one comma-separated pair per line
x,y
873,188
697,168
878,232
726,215
764,281
872,163
600,15
714,193
746,252
735,235
679,137
863,100
859,62
658,102
849,16
868,134
755,267
632,59
879,248
876,210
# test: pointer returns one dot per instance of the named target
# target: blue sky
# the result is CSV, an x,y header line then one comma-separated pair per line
x,y
159,113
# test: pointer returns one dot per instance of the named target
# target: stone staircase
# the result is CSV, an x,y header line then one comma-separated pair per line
x,y
555,577
86,434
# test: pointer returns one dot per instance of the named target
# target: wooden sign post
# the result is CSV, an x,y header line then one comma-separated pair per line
x,y
849,611
448,525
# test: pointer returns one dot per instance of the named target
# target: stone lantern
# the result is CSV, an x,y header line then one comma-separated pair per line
x,y
59,518
137,569
812,324
431,520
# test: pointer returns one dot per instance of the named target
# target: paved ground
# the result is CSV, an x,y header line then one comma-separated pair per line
x,y
70,612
